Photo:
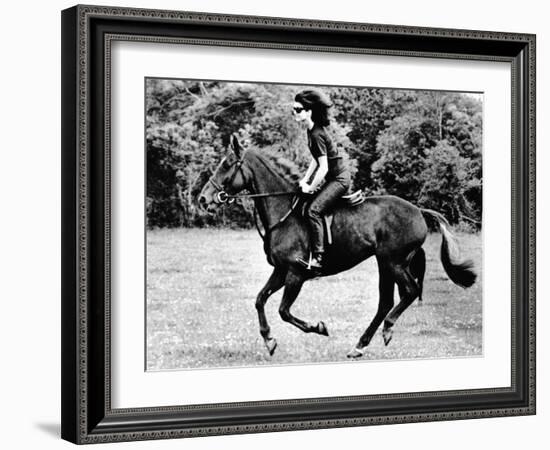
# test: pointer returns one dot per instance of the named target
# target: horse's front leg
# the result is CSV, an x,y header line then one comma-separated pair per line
x,y
273,284
293,284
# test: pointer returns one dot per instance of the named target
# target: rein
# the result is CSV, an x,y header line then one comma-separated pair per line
x,y
265,194
279,222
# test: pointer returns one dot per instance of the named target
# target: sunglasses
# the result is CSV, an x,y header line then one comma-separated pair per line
x,y
297,109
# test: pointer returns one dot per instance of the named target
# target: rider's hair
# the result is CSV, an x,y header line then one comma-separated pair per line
x,y
317,102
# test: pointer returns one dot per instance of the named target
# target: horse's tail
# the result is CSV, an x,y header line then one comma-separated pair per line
x,y
460,271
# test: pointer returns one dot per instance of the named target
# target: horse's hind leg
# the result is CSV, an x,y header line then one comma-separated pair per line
x,y
293,285
386,286
273,284
418,270
408,291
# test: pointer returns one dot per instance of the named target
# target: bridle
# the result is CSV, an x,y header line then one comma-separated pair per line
x,y
223,197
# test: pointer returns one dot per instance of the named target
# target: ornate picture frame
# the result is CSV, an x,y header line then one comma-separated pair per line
x,y
88,33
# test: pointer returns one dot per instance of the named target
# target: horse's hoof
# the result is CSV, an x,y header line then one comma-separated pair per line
x,y
387,334
271,345
322,328
356,353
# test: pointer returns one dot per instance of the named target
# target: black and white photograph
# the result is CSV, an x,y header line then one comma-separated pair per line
x,y
302,224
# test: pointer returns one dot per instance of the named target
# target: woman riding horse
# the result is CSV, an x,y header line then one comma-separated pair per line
x,y
387,227
327,164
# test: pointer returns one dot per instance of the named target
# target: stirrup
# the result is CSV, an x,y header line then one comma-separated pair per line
x,y
308,264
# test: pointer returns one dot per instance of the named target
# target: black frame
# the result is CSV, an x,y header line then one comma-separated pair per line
x,y
87,31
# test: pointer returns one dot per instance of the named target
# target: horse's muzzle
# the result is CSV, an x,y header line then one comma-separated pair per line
x,y
202,201
204,205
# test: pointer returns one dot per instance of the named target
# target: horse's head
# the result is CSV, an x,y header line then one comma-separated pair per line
x,y
229,178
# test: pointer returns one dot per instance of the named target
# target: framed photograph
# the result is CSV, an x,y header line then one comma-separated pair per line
x,y
280,224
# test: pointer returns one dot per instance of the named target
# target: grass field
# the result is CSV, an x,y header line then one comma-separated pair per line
x,y
202,285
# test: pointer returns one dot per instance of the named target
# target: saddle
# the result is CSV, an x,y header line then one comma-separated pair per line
x,y
353,199
349,200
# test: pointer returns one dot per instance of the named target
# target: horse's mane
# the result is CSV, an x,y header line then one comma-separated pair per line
x,y
281,165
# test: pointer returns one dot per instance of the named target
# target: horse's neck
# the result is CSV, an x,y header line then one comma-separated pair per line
x,y
267,180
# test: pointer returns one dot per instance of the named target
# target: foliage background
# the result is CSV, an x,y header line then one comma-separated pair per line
x,y
424,146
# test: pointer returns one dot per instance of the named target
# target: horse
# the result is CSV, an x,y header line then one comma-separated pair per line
x,y
387,227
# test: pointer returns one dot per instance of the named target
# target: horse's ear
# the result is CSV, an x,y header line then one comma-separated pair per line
x,y
235,145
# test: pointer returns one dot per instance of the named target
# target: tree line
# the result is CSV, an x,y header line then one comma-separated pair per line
x,y
423,146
